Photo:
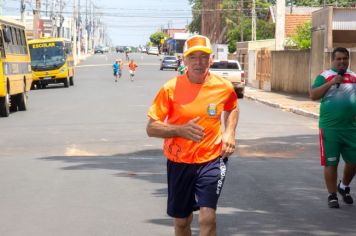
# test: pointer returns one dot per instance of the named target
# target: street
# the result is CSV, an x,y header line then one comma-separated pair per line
x,y
79,162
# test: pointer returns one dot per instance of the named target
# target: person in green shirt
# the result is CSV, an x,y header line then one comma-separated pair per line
x,y
336,87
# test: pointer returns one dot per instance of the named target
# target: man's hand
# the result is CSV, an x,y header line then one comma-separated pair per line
x,y
192,131
337,79
228,145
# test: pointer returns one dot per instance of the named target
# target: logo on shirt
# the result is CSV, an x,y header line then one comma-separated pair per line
x,y
212,109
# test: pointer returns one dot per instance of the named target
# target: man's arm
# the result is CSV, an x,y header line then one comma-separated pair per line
x,y
319,92
231,119
190,130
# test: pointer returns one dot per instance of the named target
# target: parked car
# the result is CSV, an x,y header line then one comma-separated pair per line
x,y
230,70
153,51
98,50
169,62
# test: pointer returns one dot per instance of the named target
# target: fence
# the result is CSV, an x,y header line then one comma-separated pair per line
x,y
286,71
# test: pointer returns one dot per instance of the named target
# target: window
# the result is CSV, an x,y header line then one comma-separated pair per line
x,y
13,33
224,65
19,38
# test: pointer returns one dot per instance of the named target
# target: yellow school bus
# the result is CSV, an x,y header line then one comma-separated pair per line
x,y
51,62
15,69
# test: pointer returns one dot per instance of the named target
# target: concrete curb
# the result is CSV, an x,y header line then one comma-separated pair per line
x,y
295,110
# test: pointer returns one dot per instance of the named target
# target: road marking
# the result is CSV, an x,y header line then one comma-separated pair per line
x,y
74,151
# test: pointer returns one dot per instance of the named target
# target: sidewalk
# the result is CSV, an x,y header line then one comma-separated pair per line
x,y
298,104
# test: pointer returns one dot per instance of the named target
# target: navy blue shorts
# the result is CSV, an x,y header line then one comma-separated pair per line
x,y
191,186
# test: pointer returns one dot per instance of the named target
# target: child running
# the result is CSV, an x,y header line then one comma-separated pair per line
x,y
116,69
132,66
121,66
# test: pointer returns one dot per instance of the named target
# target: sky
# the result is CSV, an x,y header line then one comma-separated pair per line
x,y
129,22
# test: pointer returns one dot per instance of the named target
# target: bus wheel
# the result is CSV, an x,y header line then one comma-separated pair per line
x,y
21,100
5,105
71,81
66,82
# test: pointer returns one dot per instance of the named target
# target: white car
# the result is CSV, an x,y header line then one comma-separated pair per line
x,y
230,70
153,51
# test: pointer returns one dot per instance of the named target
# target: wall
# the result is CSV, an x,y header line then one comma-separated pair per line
x,y
290,71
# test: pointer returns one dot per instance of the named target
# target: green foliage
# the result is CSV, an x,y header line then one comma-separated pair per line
x,y
195,24
264,30
155,38
302,38
318,3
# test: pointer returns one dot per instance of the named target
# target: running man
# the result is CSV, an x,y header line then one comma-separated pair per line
x,y
132,67
187,113
116,69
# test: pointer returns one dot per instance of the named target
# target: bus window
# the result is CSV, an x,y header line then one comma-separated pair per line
x,y
2,49
13,36
7,34
19,41
23,36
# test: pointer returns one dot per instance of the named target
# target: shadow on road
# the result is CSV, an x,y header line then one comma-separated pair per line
x,y
274,187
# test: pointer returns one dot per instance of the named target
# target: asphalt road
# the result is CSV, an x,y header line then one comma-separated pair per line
x,y
78,162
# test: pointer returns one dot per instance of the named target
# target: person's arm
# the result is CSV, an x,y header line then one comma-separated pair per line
x,y
190,130
319,92
231,119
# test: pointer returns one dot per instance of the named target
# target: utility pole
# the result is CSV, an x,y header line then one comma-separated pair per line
x,y
86,27
280,24
79,38
74,31
241,20
61,18
53,18
22,10
46,7
253,36
0,7
36,19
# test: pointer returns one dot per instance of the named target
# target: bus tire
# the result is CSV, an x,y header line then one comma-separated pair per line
x,y
71,81
21,100
66,82
5,105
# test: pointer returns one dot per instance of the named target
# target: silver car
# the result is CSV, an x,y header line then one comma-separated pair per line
x,y
169,62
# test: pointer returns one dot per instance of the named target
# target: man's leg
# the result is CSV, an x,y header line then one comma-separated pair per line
x,y
349,173
207,221
330,175
182,226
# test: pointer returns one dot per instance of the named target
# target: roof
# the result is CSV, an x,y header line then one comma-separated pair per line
x,y
293,21
181,36
294,16
295,10
171,32
12,21
47,39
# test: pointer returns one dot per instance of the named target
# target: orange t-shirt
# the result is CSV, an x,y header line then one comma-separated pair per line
x,y
179,101
132,66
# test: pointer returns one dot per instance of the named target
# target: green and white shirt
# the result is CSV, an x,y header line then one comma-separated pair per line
x,y
338,106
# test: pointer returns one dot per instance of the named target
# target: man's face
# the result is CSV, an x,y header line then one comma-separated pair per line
x,y
198,63
341,61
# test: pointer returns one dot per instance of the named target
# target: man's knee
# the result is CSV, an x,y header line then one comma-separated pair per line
x,y
207,216
183,222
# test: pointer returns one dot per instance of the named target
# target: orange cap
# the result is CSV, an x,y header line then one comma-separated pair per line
x,y
197,43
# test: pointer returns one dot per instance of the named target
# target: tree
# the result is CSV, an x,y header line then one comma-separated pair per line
x,y
264,30
319,3
302,38
155,38
195,24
